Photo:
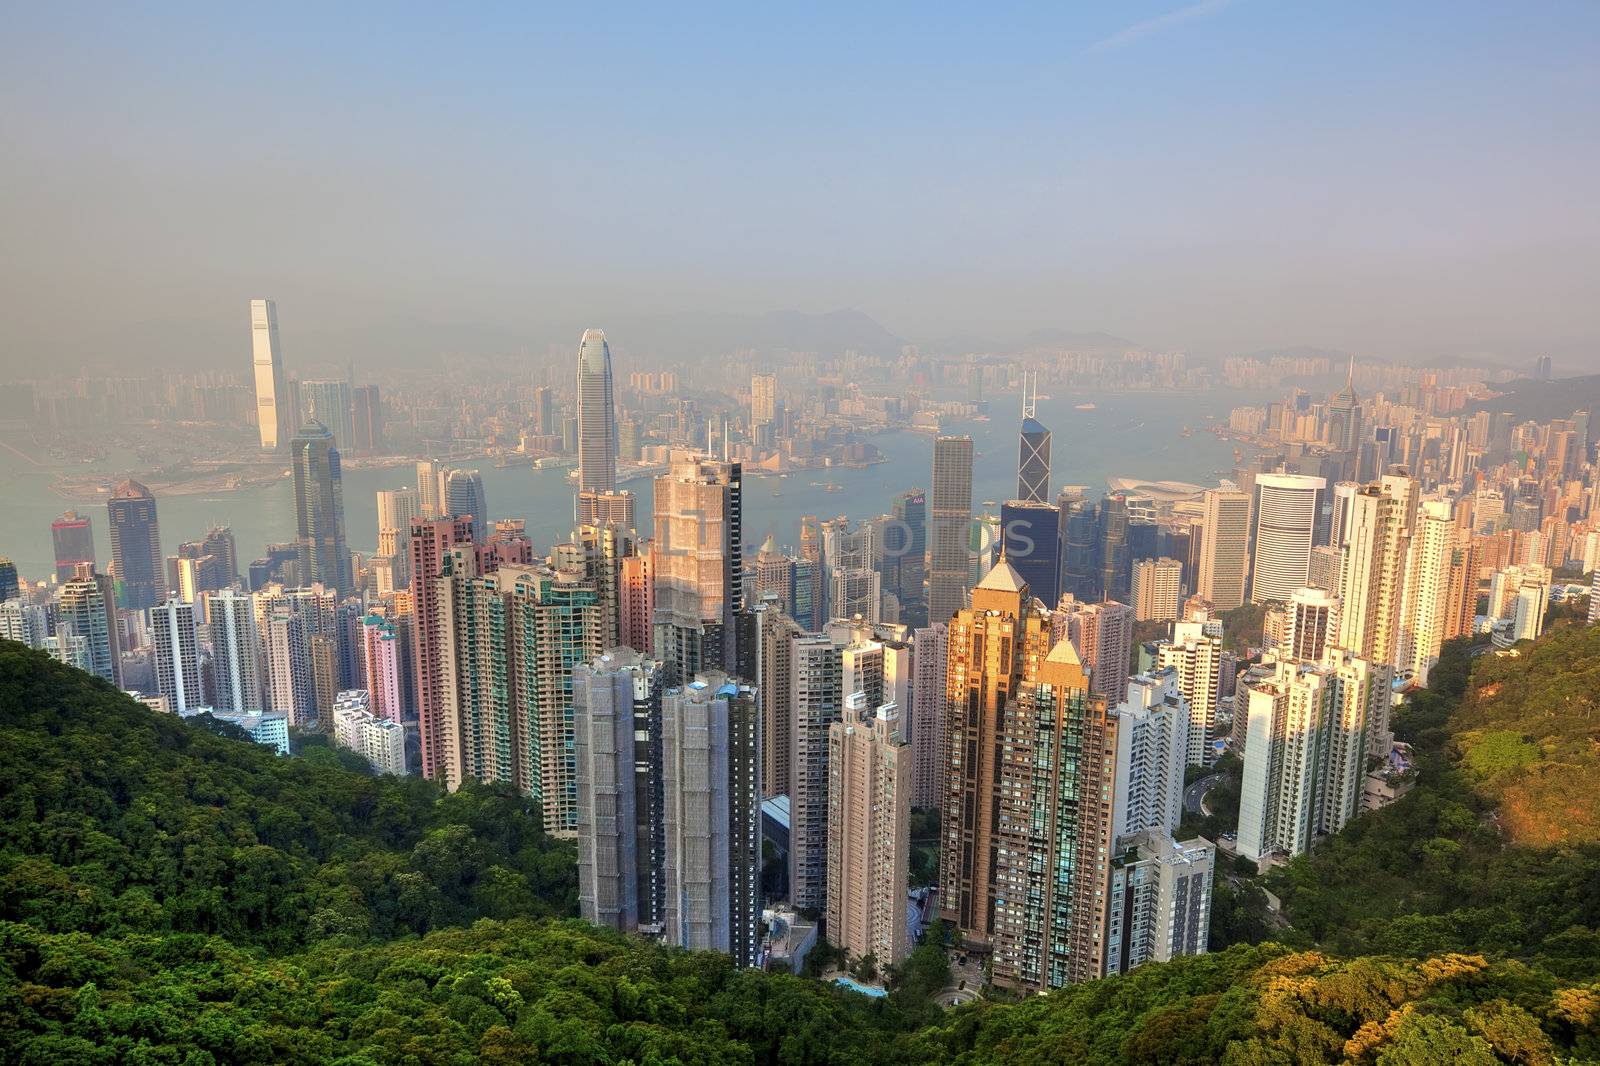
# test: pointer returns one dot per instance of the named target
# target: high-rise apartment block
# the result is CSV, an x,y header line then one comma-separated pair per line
x,y
698,563
1159,903
869,809
1102,634
1157,589
235,652
928,712
319,509
1152,755
87,612
711,791
380,741
1195,656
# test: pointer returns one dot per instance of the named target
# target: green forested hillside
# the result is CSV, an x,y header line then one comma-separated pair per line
x,y
114,819
171,895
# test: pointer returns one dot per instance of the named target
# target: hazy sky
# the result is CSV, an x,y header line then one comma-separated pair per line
x,y
1404,180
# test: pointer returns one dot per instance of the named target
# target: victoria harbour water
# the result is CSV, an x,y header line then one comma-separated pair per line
x,y
1137,435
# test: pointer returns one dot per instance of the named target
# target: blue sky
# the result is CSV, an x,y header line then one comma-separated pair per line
x,y
1406,181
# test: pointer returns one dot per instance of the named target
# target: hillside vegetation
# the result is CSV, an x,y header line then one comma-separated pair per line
x,y
169,894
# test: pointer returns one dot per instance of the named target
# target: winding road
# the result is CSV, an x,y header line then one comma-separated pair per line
x,y
1194,794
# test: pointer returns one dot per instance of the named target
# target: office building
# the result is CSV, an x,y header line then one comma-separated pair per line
x,y
87,611
381,741
1224,549
949,524
597,415
177,656
1286,509
928,710
1344,416
366,420
698,564
1157,589
1033,460
1116,553
235,652
272,390
328,402
8,579
905,556
774,576
137,564
1031,536
463,497
1159,900
621,834
319,509
869,829
711,793
1102,635
73,539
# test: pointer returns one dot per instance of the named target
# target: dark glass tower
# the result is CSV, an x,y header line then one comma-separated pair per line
x,y
1116,561
463,498
136,547
1080,547
1033,458
319,509
1032,533
905,546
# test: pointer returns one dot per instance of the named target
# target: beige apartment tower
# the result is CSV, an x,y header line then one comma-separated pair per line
x,y
869,811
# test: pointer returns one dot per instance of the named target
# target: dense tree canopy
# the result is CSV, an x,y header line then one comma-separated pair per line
x,y
173,894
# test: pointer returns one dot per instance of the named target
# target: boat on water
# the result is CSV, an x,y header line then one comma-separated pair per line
x,y
1084,407
988,503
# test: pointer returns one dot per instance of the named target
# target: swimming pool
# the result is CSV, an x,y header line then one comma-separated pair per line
x,y
856,986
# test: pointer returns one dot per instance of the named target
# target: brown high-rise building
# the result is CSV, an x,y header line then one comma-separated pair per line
x,y
993,648
1053,829
636,599
699,564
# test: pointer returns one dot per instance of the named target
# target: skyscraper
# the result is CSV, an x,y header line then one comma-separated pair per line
x,y
8,579
429,502
1311,613
763,405
1285,520
177,655
698,563
1196,657
816,666
397,508
1425,625
994,648
949,522
1157,584
1373,569
869,812
463,497
73,538
431,541
1344,416
1033,461
136,547
272,399
711,791
1116,554
328,402
1224,549
382,662
1080,545
1031,532
319,509
366,419
905,551
1102,635
597,415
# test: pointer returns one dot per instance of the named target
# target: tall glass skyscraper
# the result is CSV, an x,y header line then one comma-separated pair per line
x,y
136,547
463,497
329,403
272,400
949,519
1033,459
597,415
319,509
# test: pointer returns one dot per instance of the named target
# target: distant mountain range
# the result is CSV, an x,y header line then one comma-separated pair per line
x,y
1540,401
